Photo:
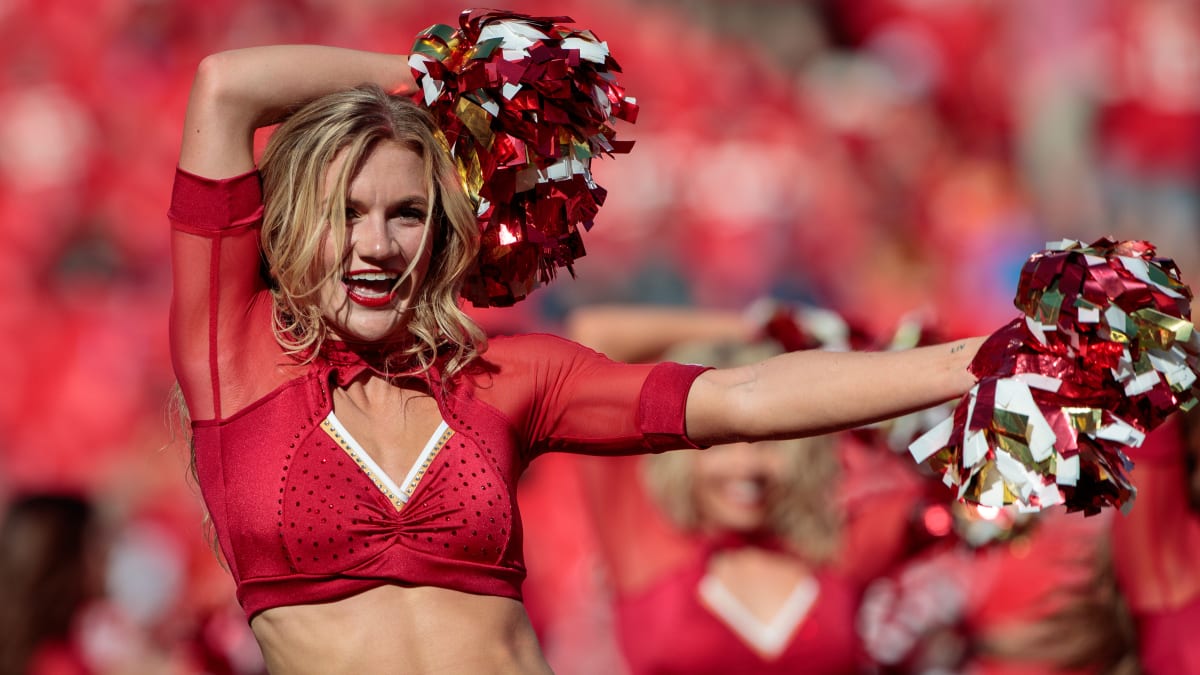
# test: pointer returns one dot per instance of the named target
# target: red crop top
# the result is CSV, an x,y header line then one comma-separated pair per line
x,y
301,513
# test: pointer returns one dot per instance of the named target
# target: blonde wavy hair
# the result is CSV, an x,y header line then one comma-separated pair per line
x,y
294,166
802,507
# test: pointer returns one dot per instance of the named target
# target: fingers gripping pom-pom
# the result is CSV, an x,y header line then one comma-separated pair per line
x,y
525,103
1102,355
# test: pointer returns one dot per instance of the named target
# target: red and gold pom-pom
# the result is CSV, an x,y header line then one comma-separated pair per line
x,y
525,103
1097,360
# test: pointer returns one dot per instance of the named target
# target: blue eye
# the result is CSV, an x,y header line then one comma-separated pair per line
x,y
410,214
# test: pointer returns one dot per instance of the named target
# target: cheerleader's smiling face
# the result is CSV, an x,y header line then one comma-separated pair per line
x,y
374,273
733,485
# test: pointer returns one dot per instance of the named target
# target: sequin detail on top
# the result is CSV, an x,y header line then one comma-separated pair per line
x,y
395,494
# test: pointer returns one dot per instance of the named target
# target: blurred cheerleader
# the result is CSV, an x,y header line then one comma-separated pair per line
x,y
749,587
747,557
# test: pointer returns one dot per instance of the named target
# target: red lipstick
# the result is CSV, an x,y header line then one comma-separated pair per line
x,y
370,288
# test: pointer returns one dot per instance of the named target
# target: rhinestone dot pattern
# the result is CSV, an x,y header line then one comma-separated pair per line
x,y
341,514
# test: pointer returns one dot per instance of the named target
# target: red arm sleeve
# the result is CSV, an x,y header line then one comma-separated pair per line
x,y
222,346
564,397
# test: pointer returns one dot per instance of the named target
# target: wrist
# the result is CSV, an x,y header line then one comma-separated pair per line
x,y
401,81
965,351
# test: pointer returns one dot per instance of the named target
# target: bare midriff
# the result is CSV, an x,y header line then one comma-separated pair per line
x,y
394,629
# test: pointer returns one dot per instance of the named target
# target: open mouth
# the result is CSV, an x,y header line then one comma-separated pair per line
x,y
371,289
745,493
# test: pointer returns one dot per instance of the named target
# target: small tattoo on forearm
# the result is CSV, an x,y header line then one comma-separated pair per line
x,y
957,348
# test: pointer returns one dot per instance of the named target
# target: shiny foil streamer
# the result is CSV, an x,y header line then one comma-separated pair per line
x,y
1103,354
525,103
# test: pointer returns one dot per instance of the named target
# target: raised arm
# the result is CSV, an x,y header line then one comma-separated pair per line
x,y
815,392
640,334
222,344
238,91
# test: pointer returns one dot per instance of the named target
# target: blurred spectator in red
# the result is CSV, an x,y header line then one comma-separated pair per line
x,y
51,563
88,591
945,51
1012,593
996,591
1157,544
1149,126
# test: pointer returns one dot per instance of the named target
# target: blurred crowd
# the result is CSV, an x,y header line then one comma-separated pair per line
x,y
878,158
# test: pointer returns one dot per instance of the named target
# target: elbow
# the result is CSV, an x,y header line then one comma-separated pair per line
x,y
210,90
212,75
222,89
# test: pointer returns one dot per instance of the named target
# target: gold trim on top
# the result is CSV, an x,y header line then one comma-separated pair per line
x,y
341,440
440,443
397,496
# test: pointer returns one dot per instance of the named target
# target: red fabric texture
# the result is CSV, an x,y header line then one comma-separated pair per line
x,y
667,630
1155,548
1167,640
297,520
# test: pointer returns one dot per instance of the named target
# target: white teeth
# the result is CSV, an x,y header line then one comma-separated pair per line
x,y
369,293
746,491
372,276
371,284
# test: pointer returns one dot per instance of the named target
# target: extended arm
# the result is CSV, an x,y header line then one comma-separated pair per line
x,y
238,91
814,392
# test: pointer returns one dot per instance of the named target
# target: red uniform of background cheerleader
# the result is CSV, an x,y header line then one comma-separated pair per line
x,y
1156,548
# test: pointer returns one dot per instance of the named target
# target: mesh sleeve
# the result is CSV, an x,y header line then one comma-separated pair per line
x,y
567,398
222,346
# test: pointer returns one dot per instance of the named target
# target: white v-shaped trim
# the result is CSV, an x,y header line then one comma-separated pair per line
x,y
397,495
768,639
